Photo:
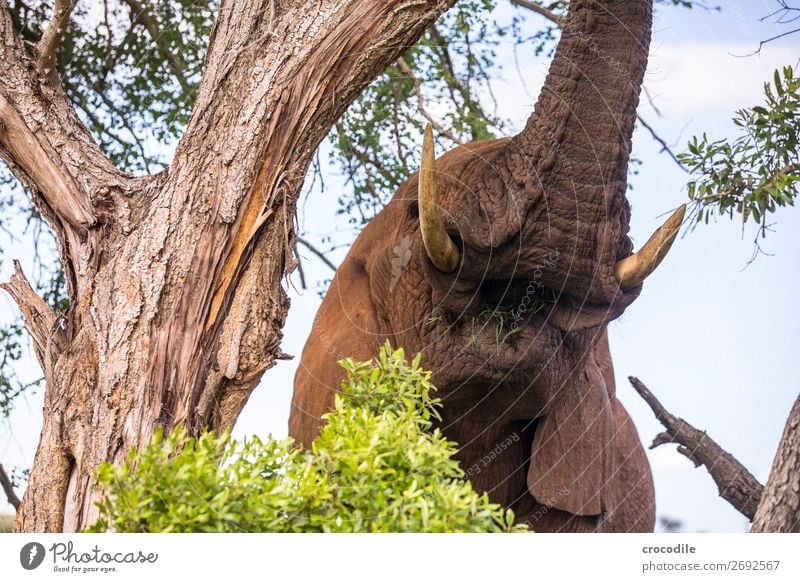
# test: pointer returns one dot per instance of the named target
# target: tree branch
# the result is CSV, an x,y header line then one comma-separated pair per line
x,y
660,140
42,324
8,488
47,147
317,252
141,14
264,126
406,70
51,38
541,10
31,155
735,483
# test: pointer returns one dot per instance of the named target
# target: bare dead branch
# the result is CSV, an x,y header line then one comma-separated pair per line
x,y
41,322
8,488
406,70
51,38
141,14
317,252
779,510
735,483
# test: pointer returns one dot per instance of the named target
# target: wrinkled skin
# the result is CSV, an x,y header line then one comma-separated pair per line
x,y
532,404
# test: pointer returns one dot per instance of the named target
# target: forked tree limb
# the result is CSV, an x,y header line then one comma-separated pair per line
x,y
735,483
49,149
8,488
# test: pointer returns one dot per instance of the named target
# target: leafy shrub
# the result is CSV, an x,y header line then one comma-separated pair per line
x,y
378,465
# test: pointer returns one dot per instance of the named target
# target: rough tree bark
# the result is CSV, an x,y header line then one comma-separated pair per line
x,y
175,279
779,510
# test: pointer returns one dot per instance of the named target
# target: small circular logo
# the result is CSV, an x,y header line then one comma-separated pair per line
x,y
31,555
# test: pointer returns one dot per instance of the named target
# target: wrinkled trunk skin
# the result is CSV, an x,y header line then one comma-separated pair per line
x,y
779,510
175,279
566,172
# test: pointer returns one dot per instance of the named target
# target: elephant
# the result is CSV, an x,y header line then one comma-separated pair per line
x,y
503,262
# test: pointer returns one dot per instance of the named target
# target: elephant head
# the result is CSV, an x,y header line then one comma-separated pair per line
x,y
502,262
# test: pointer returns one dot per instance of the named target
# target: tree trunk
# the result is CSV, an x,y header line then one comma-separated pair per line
x,y
175,279
779,510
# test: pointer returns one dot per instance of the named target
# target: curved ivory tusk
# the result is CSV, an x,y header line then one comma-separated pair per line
x,y
440,247
631,271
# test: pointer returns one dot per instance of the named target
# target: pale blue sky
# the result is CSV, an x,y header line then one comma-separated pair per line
x,y
715,341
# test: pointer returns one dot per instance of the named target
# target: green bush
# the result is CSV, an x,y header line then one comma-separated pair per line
x,y
378,465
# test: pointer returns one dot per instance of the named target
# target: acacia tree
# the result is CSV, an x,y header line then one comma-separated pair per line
x,y
174,279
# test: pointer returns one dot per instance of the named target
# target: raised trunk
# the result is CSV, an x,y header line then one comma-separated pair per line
x,y
176,294
569,164
583,121
779,510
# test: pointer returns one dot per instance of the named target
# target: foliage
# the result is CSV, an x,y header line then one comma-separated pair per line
x,y
130,67
11,386
439,79
757,172
377,466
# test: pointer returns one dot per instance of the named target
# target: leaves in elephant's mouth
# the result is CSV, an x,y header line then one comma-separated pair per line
x,y
510,304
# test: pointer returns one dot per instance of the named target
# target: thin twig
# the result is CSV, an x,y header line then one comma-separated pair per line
x,y
8,488
317,252
51,38
735,483
660,140
406,70
141,14
769,40
541,10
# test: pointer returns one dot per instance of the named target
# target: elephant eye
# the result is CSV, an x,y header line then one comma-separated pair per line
x,y
413,210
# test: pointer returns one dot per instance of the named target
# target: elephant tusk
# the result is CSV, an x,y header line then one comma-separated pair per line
x,y
440,248
632,270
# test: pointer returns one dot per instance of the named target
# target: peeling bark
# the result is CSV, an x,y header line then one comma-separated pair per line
x,y
175,279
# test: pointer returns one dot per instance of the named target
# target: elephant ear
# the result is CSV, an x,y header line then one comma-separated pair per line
x,y
569,450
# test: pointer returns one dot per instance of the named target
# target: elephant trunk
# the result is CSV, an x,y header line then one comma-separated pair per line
x,y
568,167
580,130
